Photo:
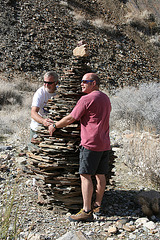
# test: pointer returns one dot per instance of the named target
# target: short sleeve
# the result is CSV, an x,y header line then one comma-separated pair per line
x,y
79,110
37,99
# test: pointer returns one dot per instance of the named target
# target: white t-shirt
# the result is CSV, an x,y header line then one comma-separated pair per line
x,y
40,99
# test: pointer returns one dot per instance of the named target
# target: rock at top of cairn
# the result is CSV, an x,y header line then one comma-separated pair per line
x,y
81,50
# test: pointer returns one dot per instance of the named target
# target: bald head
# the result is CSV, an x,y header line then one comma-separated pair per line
x,y
92,76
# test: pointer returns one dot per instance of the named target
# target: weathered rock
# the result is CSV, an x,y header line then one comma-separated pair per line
x,y
73,235
149,202
81,51
112,229
150,225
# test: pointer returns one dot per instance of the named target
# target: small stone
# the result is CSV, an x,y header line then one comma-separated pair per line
x,y
36,236
150,225
132,236
21,160
129,228
121,222
141,220
72,235
112,229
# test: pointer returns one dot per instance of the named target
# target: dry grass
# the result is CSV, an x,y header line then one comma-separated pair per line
x,y
139,16
15,108
155,40
100,23
14,209
10,213
144,21
63,3
143,155
78,16
135,116
136,108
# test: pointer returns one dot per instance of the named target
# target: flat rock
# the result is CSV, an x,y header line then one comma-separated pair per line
x,y
73,236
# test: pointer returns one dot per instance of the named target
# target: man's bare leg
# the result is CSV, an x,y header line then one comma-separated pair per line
x,y
87,191
100,188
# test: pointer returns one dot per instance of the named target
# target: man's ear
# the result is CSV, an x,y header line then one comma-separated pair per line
x,y
94,83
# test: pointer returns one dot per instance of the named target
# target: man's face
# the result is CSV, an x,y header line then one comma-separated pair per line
x,y
86,85
49,84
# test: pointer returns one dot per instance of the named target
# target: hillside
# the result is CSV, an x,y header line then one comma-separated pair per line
x,y
150,5
124,42
40,35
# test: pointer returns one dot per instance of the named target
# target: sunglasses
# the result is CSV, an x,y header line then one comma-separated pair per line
x,y
49,83
86,81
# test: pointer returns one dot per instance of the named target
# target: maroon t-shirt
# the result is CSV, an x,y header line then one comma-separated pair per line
x,y
93,111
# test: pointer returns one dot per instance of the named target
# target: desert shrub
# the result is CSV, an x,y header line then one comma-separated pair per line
x,y
16,98
11,92
100,23
143,21
155,40
15,123
137,111
9,98
63,3
142,154
9,214
134,108
78,17
26,87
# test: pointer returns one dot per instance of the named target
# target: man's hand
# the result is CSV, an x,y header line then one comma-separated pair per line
x,y
61,123
34,114
47,122
51,130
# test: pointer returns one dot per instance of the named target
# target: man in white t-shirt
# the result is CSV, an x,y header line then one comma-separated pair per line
x,y
40,99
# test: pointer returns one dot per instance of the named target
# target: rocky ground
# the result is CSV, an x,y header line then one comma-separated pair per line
x,y
123,218
38,36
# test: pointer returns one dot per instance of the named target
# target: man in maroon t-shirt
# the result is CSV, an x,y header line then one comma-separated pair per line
x,y
93,111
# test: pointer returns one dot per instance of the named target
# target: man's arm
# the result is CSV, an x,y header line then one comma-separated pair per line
x,y
34,114
61,123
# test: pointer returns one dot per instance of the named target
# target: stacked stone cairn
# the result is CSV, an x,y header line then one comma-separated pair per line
x,y
56,160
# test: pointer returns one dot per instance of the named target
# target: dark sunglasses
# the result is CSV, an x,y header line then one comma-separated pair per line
x,y
86,81
49,83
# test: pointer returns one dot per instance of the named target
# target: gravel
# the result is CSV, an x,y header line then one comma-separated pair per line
x,y
123,218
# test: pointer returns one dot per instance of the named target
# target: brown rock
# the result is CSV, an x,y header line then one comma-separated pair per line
x,y
149,202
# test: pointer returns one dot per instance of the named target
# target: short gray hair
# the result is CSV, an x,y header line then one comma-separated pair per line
x,y
52,74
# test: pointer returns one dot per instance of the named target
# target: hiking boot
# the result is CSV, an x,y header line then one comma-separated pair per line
x,y
97,210
82,216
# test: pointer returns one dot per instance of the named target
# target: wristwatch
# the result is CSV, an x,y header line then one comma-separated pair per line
x,y
54,125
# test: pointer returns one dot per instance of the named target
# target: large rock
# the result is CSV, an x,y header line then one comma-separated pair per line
x,y
149,202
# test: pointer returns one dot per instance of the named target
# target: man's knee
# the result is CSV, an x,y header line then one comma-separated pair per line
x,y
85,176
101,178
